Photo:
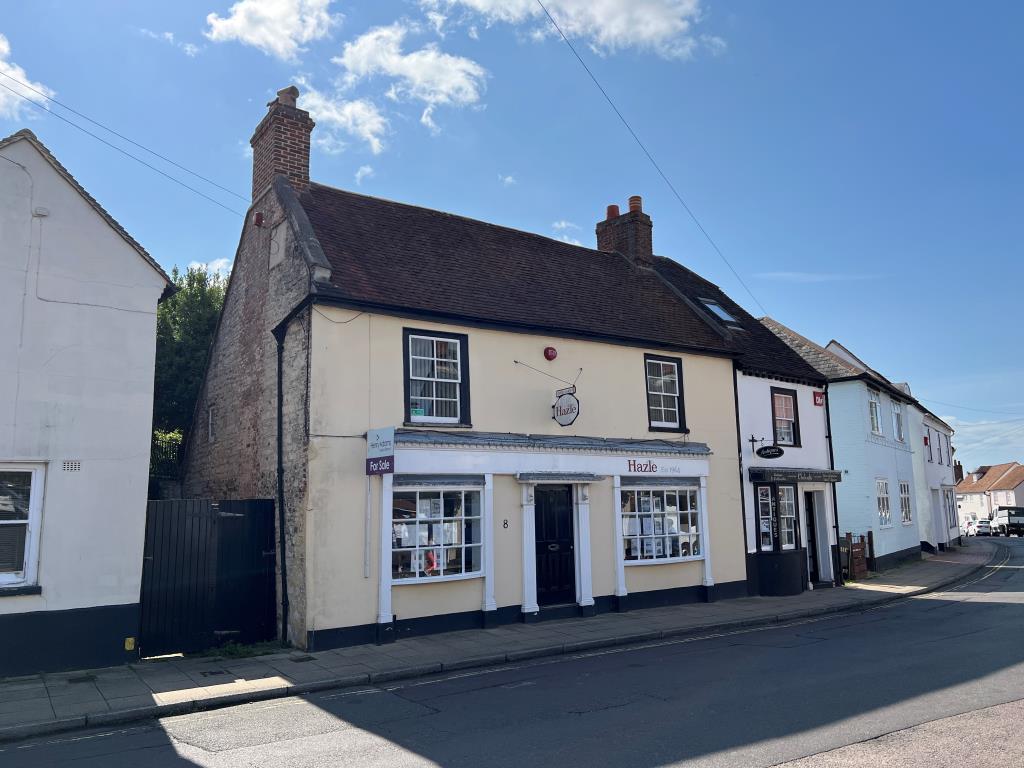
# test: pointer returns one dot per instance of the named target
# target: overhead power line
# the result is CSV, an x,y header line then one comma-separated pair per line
x,y
968,408
121,136
42,107
650,157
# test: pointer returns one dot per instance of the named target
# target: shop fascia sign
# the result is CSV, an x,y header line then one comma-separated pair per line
x,y
566,407
653,467
380,451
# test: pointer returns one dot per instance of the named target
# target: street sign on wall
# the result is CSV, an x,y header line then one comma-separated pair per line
x,y
380,451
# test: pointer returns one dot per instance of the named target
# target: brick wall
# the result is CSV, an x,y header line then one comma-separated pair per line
x,y
241,388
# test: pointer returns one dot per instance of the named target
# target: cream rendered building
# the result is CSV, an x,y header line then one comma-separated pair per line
x,y
347,314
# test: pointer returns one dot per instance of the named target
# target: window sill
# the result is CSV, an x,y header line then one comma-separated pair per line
x,y
23,589
435,425
437,579
664,561
886,527
908,522
677,430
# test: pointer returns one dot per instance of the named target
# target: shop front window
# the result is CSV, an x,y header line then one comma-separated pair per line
x,y
777,516
435,534
662,524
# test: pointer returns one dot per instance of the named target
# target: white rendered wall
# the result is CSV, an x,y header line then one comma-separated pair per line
x,y
78,314
865,457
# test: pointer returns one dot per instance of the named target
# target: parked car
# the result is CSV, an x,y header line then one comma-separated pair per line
x,y
980,528
1007,521
966,527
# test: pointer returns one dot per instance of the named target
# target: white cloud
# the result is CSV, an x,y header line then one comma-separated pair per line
x,y
813,277
220,267
507,181
364,172
568,239
355,117
437,21
663,26
428,75
11,106
279,28
562,225
189,49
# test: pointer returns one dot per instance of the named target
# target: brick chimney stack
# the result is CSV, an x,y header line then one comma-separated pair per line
x,y
629,233
281,144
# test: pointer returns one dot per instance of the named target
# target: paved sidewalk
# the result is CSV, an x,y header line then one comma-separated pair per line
x,y
38,704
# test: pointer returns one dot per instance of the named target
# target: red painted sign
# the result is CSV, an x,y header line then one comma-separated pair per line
x,y
819,399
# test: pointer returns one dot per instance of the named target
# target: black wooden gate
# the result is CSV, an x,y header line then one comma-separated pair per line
x,y
207,575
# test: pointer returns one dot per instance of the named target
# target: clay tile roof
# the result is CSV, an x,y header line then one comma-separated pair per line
x,y
761,351
828,364
1010,479
388,255
987,481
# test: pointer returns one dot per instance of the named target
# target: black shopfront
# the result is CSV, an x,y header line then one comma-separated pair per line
x,y
791,544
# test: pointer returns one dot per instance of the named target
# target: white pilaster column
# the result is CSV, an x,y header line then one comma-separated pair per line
x,y
488,544
705,534
529,553
620,555
384,614
583,546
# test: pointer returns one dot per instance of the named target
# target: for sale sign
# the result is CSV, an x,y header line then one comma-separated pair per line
x,y
380,451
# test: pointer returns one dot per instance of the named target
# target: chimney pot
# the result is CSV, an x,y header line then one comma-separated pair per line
x,y
628,233
287,96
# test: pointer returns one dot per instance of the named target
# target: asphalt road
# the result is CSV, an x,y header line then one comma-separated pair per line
x,y
931,681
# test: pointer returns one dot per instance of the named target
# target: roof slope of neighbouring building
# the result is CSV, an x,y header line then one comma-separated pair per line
x,y
988,480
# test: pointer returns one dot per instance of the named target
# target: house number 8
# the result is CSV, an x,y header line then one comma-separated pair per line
x,y
504,524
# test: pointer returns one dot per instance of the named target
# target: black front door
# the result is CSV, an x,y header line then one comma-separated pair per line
x,y
556,558
812,536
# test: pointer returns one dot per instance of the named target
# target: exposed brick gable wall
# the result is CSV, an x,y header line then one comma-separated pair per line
x,y
241,387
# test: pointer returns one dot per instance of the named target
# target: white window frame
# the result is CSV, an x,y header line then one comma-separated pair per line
x,y
678,395
882,502
897,422
906,510
477,574
457,381
695,532
783,517
29,574
791,422
875,411
928,439
949,453
951,512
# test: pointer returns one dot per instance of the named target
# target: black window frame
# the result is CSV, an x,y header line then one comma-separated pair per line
x,y
796,417
680,405
465,415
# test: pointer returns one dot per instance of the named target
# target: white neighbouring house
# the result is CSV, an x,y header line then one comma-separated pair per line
x,y
876,442
987,488
78,299
935,486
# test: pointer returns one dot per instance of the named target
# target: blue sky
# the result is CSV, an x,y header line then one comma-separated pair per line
x,y
860,164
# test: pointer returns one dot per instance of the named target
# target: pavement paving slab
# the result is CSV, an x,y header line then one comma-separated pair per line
x,y
31,705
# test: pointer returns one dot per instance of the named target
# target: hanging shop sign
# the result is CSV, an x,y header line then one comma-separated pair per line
x,y
380,451
770,452
566,407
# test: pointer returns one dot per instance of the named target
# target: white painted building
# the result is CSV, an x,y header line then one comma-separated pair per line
x,y
934,483
78,300
987,488
789,498
874,441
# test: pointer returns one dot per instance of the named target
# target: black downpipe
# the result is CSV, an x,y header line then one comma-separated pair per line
x,y
739,459
837,566
279,335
